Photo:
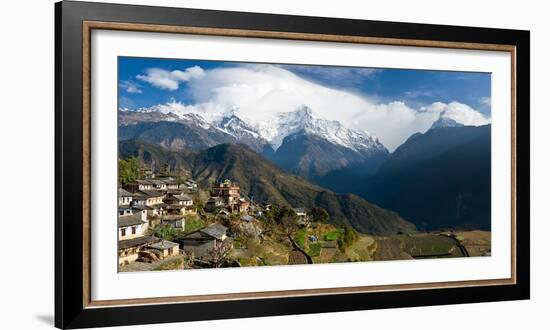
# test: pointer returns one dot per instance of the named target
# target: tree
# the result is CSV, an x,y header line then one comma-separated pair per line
x,y
290,223
166,232
319,214
128,170
347,239
283,213
218,255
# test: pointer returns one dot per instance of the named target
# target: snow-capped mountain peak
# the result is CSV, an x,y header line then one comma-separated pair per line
x,y
444,121
303,120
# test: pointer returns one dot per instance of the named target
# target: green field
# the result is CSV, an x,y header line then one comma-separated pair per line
x,y
333,235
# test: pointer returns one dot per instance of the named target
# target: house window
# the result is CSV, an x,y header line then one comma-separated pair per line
x,y
123,232
170,251
133,230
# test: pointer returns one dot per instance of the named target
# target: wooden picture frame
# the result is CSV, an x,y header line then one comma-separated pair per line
x,y
74,307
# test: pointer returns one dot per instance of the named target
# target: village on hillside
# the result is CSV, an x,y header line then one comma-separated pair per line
x,y
169,222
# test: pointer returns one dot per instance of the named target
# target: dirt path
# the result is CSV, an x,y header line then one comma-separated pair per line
x,y
299,249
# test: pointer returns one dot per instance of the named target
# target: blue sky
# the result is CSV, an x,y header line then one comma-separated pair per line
x,y
389,103
417,87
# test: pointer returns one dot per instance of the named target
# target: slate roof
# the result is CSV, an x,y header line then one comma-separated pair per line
x,y
195,236
174,191
147,182
138,241
175,207
157,182
183,197
151,193
124,193
141,207
161,245
158,206
128,220
216,230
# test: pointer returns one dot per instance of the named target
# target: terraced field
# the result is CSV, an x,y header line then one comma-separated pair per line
x,y
477,242
429,246
389,248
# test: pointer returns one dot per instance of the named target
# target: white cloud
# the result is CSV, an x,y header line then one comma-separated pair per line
x,y
261,91
170,80
130,87
460,113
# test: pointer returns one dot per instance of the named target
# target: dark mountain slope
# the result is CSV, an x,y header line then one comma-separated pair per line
x,y
264,181
312,156
439,179
175,136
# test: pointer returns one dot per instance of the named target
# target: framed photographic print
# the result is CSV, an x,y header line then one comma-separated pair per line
x,y
218,164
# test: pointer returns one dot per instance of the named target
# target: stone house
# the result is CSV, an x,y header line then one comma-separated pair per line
x,y
242,205
149,197
124,197
189,185
303,217
165,248
131,226
128,249
138,185
213,204
176,221
227,191
179,199
200,242
158,184
131,237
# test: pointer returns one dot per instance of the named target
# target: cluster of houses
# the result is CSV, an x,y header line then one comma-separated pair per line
x,y
148,203
145,204
226,198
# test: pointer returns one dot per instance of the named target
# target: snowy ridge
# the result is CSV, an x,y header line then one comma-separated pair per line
x,y
272,131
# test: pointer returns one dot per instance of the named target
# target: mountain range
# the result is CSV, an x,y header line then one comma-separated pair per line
x,y
437,179
296,141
